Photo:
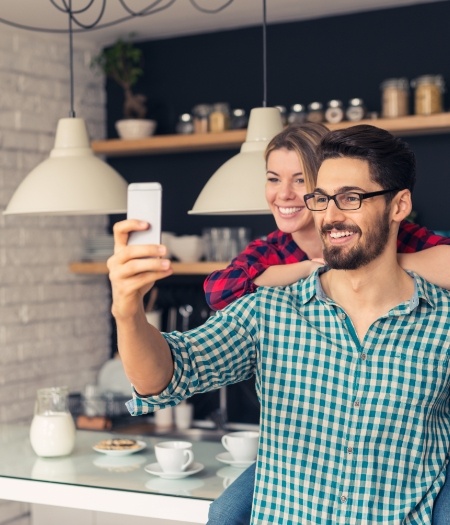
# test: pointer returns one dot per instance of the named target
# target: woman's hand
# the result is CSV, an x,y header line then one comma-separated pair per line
x,y
133,270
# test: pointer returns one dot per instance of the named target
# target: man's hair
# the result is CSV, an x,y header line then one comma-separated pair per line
x,y
391,161
303,139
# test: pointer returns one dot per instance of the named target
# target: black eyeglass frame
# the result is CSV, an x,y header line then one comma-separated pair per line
x,y
361,197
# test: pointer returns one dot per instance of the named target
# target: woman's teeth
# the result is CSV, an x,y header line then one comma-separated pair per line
x,y
288,211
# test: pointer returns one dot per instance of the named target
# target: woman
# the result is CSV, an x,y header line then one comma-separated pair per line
x,y
292,252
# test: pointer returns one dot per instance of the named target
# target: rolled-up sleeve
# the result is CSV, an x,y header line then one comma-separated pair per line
x,y
220,352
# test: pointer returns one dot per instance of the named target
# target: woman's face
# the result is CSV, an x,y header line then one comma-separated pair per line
x,y
285,189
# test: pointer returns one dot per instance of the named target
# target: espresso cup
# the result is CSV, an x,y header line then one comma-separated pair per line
x,y
243,446
174,456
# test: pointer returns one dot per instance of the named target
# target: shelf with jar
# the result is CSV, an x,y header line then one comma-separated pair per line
x,y
233,139
196,268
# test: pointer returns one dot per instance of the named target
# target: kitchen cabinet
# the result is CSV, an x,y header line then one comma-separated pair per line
x,y
164,144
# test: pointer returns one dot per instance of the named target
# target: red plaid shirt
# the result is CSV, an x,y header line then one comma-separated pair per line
x,y
222,287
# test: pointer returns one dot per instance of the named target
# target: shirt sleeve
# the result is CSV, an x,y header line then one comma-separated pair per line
x,y
222,287
218,353
414,238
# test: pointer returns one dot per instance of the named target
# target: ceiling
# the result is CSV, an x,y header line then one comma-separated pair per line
x,y
180,17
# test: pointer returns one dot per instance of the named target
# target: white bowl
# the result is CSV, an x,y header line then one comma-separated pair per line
x,y
187,248
135,128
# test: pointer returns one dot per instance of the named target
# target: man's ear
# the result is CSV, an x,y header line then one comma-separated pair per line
x,y
401,205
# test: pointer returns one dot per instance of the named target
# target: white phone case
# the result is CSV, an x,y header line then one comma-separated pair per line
x,y
144,203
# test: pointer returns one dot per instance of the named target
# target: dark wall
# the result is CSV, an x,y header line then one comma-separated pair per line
x,y
339,57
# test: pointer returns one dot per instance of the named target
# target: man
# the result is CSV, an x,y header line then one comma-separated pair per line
x,y
351,364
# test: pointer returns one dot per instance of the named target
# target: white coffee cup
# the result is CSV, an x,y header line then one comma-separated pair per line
x,y
174,456
243,446
183,415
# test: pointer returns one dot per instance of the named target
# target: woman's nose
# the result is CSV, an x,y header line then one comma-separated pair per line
x,y
286,191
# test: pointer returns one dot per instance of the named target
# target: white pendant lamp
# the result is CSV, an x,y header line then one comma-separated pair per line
x,y
72,181
237,187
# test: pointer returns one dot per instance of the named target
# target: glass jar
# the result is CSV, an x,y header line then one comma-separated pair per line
x,y
201,116
297,114
185,124
219,118
334,112
315,112
283,114
428,94
395,97
52,431
239,119
355,110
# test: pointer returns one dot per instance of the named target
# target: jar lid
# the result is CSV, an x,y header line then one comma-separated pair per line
x,y
356,102
238,112
282,109
399,83
334,103
202,110
299,108
186,117
438,80
315,106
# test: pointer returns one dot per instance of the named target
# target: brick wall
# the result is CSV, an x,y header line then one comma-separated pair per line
x,y
54,326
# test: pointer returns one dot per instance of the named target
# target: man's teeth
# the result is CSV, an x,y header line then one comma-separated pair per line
x,y
287,211
338,235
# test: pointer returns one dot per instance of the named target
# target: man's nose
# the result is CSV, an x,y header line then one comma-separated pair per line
x,y
333,213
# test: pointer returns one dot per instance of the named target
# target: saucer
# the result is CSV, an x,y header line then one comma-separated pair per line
x,y
155,469
180,487
120,463
226,457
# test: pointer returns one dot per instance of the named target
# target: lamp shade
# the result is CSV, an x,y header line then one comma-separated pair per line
x,y
72,181
237,187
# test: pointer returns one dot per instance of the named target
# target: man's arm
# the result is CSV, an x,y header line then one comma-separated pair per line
x,y
133,270
432,264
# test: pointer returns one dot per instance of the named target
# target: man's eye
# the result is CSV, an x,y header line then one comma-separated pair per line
x,y
350,197
320,199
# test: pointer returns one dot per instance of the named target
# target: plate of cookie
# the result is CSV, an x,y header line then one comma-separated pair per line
x,y
119,446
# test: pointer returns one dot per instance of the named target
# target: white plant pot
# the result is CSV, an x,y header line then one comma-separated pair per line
x,y
135,128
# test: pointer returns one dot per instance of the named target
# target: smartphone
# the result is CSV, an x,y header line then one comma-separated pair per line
x,y
145,203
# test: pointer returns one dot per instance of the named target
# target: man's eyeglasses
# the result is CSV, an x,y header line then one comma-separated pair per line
x,y
347,200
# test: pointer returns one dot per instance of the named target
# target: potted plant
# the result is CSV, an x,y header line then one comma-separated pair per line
x,y
122,63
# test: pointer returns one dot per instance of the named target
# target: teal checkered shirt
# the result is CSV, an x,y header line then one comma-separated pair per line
x,y
352,432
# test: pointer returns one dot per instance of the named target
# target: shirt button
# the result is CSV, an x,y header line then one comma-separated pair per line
x,y
350,450
363,357
342,316
356,404
343,499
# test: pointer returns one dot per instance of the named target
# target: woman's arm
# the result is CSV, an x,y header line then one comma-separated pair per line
x,y
285,274
432,264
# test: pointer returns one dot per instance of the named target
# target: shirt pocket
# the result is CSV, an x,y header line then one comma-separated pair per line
x,y
416,378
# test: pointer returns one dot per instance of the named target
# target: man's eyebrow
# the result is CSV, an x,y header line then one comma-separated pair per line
x,y
342,189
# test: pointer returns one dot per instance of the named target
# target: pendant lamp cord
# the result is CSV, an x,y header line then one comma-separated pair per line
x,y
264,55
72,110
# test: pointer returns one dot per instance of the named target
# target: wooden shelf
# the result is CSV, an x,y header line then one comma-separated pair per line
x,y
197,268
167,144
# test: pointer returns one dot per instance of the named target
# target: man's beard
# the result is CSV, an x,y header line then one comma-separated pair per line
x,y
363,253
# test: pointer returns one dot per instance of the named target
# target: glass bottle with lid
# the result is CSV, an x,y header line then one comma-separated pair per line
x,y
239,119
334,112
428,94
297,114
283,113
315,112
355,110
219,118
395,97
185,124
201,115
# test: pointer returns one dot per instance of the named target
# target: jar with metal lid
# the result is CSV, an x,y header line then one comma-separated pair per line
x,y
428,94
219,118
355,110
239,119
201,115
297,114
395,97
283,113
185,124
334,112
315,112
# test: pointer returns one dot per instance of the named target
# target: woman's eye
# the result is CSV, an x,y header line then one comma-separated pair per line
x,y
300,181
272,179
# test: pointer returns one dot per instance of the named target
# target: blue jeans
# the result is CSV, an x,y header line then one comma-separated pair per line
x,y
234,506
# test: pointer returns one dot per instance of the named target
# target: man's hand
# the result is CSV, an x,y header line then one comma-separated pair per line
x,y
133,270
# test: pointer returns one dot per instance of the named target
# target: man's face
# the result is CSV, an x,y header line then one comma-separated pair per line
x,y
351,238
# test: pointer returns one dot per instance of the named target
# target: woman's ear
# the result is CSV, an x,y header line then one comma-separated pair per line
x,y
401,205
